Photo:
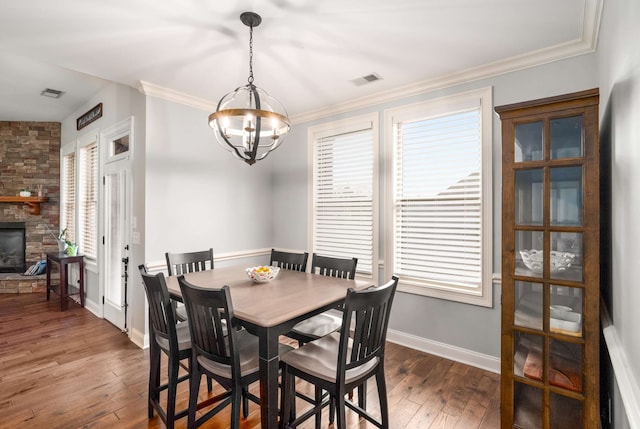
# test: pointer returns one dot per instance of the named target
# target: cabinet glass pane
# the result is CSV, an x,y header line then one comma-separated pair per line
x,y
528,144
527,357
566,256
566,196
529,260
529,197
566,310
528,305
527,406
566,137
565,365
564,412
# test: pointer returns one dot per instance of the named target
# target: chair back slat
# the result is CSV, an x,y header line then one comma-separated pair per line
x,y
289,261
371,309
182,263
161,312
334,267
210,312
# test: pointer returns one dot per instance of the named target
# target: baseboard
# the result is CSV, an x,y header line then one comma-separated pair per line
x,y
139,338
627,384
93,307
468,357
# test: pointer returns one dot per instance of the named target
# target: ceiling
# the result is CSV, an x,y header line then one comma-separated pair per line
x,y
311,55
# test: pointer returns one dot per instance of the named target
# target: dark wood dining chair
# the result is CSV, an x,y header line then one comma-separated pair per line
x,y
289,260
188,262
339,362
165,337
229,356
329,321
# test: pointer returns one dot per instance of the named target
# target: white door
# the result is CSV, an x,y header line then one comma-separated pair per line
x,y
117,154
116,242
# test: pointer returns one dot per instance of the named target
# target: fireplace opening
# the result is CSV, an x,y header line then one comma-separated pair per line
x,y
12,247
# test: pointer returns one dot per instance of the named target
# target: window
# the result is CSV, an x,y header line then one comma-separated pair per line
x,y
88,200
79,199
68,196
438,221
344,186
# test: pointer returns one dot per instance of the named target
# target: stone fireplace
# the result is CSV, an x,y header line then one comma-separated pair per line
x,y
29,159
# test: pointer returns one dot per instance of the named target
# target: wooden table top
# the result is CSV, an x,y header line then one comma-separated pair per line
x,y
290,295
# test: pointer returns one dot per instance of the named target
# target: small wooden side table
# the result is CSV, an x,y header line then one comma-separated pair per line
x,y
63,288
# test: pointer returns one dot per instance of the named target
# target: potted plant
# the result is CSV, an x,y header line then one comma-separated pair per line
x,y
72,248
62,240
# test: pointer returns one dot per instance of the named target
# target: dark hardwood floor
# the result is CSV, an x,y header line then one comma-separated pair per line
x,y
73,370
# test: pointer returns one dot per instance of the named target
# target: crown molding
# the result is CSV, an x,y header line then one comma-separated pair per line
x,y
584,45
158,91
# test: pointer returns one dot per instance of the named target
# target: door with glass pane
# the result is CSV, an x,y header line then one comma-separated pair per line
x,y
116,212
116,241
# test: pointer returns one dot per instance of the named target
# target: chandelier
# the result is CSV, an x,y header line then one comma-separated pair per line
x,y
248,122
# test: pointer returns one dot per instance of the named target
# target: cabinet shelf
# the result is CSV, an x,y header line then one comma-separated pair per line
x,y
32,202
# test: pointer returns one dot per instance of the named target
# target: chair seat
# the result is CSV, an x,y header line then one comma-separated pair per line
x,y
184,338
319,325
181,313
319,359
247,345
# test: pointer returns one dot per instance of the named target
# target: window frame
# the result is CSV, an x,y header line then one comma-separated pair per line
x,y
77,147
334,128
82,179
482,295
65,224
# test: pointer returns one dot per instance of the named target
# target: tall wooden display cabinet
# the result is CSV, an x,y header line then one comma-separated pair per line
x,y
550,262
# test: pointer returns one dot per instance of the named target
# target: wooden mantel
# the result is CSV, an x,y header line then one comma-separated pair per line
x,y
32,202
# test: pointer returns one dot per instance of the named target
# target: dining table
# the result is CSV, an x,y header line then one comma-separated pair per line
x,y
269,310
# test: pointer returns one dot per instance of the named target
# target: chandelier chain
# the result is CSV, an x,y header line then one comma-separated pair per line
x,y
250,55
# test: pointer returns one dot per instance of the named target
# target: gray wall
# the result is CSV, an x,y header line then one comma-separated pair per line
x,y
197,195
119,102
619,76
473,328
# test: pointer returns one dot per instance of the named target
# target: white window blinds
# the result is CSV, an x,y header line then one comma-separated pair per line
x,y
437,200
343,191
68,197
88,200
438,186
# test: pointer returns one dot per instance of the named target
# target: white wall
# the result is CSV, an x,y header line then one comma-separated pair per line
x,y
432,324
619,76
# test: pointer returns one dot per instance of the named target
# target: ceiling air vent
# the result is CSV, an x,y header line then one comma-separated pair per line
x,y
366,79
52,93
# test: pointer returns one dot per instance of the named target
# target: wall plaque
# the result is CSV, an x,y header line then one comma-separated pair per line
x,y
92,115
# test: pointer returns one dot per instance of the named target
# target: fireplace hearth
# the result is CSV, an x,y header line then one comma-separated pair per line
x,y
12,247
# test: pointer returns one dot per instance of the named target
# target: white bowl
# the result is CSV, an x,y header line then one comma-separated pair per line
x,y
560,261
262,274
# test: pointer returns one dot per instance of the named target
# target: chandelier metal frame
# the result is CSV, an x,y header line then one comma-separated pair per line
x,y
248,122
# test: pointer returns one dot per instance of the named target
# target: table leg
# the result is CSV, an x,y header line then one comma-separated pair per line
x,y
64,293
49,262
269,362
81,264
